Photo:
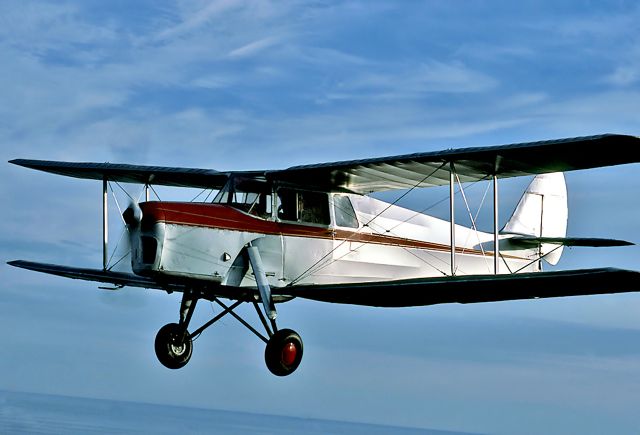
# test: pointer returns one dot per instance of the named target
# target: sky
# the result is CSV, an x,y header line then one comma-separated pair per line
x,y
252,84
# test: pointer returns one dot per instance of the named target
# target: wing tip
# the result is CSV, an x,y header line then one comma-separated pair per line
x,y
17,263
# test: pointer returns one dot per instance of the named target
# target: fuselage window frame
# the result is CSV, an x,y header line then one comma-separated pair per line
x,y
343,212
303,207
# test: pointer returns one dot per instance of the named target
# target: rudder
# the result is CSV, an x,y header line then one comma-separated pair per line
x,y
542,212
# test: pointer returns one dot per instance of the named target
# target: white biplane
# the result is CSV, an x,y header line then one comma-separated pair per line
x,y
312,232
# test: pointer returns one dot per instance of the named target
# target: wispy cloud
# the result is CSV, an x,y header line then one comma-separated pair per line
x,y
624,75
254,47
196,15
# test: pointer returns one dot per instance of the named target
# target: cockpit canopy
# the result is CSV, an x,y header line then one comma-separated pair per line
x,y
264,200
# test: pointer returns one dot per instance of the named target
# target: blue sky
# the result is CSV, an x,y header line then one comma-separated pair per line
x,y
240,84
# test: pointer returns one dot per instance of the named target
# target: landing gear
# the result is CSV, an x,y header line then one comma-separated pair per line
x,y
283,352
173,342
173,346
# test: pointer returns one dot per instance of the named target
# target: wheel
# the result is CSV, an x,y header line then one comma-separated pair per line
x,y
283,352
173,347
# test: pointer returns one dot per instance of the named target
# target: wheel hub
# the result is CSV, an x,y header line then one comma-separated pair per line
x,y
178,349
289,353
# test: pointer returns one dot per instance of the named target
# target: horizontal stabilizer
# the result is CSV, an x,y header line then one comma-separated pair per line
x,y
532,242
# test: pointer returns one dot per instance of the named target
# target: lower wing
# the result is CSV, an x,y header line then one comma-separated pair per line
x,y
405,293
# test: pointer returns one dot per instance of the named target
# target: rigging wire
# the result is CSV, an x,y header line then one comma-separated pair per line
x,y
122,233
154,191
473,222
198,195
379,232
304,274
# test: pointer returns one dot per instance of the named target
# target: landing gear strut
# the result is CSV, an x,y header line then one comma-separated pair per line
x,y
174,345
173,342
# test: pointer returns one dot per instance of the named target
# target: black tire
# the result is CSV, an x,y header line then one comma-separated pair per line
x,y
283,352
173,346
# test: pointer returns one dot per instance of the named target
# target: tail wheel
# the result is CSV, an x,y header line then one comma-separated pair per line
x,y
173,346
283,352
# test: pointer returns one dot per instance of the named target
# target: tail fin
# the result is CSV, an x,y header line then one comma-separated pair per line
x,y
542,212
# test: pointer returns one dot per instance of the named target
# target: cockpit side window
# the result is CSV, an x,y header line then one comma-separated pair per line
x,y
344,212
303,206
287,205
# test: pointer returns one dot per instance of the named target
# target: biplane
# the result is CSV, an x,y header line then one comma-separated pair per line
x,y
315,232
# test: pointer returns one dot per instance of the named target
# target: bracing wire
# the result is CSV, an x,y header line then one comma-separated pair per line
x,y
198,195
473,221
304,274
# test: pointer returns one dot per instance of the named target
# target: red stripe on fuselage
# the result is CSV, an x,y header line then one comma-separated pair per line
x,y
228,218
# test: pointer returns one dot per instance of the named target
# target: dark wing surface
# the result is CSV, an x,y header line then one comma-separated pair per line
x,y
158,175
472,288
385,173
207,289
471,164
405,293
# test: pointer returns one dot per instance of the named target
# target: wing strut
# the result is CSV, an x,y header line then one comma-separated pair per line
x,y
496,244
105,224
452,214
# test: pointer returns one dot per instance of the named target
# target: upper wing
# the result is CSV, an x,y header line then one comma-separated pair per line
x,y
473,288
471,164
159,175
384,173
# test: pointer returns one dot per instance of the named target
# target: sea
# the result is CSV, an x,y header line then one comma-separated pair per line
x,y
28,413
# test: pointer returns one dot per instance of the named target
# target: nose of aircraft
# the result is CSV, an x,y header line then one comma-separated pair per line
x,y
132,215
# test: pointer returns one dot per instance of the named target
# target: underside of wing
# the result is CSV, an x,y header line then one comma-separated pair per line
x,y
158,175
473,288
405,293
471,164
207,290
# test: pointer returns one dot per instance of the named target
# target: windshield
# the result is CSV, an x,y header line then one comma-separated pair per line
x,y
249,195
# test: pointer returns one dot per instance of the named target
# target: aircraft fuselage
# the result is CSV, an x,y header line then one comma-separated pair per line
x,y
206,241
